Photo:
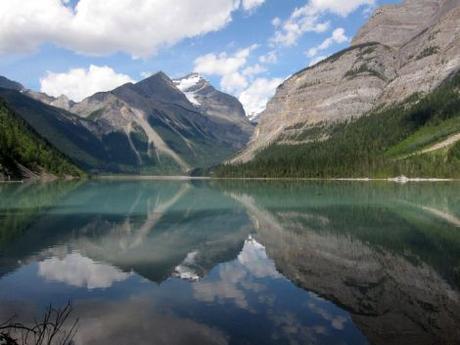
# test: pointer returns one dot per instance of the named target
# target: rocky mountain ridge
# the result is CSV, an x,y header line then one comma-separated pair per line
x,y
9,84
151,126
403,50
211,101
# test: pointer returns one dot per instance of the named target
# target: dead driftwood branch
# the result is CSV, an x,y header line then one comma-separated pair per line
x,y
55,328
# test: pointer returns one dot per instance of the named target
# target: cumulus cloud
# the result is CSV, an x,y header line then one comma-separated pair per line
x,y
236,278
338,36
276,22
99,27
79,271
250,5
309,18
254,258
240,78
340,7
256,96
254,70
296,26
80,83
270,57
139,318
223,63
227,66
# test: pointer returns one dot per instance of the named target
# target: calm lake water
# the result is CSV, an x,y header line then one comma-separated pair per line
x,y
227,262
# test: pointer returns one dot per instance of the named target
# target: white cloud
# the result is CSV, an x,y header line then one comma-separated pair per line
x,y
340,7
239,78
249,5
100,27
309,18
295,27
368,10
233,82
228,67
223,63
254,258
236,278
256,96
79,271
254,70
270,57
338,36
276,22
80,83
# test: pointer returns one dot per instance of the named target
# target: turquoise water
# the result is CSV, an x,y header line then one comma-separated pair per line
x,y
228,262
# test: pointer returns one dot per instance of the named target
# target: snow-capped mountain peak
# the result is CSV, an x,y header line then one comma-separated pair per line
x,y
211,101
188,82
190,85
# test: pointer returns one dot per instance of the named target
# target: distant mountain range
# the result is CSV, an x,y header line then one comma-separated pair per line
x,y
156,126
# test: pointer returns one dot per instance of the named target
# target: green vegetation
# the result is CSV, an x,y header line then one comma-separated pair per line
x,y
21,146
428,52
109,153
316,133
426,136
309,84
377,145
367,51
334,57
59,128
364,68
95,114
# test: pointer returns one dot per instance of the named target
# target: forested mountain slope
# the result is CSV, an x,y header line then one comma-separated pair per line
x,y
329,119
404,49
417,138
24,154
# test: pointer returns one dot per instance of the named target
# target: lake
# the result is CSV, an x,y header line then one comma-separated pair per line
x,y
235,262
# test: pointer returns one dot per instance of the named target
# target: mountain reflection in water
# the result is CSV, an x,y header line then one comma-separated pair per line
x,y
234,262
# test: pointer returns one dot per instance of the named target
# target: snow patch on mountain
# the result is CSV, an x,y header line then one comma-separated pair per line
x,y
254,117
255,259
190,85
187,270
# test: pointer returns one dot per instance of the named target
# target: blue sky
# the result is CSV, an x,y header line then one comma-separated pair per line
x,y
228,51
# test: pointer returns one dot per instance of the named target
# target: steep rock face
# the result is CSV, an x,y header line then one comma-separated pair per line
x,y
429,58
394,25
404,49
325,93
